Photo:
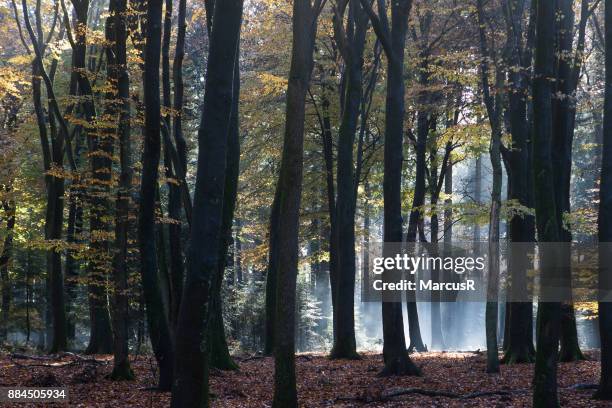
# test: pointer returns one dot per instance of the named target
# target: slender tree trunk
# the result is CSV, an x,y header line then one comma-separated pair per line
x,y
563,134
415,219
157,317
5,260
117,55
271,275
288,192
494,110
396,358
344,338
328,156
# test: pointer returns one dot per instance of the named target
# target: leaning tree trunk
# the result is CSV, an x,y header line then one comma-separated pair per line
x,y
288,192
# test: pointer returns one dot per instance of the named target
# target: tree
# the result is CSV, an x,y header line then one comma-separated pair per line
x,y
190,388
117,63
519,341
494,111
351,43
157,318
219,353
53,155
287,200
9,207
605,223
545,375
395,355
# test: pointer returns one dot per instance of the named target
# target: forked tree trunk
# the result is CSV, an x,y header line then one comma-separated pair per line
x,y
157,317
344,308
190,388
396,358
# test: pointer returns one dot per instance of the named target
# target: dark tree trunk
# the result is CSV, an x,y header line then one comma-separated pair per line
x,y
190,388
271,276
344,334
396,358
117,63
605,223
492,100
545,376
519,340
175,253
563,135
219,353
424,123
157,317
5,259
175,198
288,192
328,156
53,156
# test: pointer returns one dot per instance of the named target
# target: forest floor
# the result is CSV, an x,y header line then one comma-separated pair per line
x,y
448,380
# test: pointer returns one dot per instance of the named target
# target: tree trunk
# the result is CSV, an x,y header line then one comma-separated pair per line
x,y
605,224
219,353
415,219
271,275
563,135
190,388
117,63
545,376
5,260
396,358
157,317
519,339
493,103
288,191
344,318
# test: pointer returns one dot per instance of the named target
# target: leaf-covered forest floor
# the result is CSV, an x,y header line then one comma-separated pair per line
x,y
449,380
